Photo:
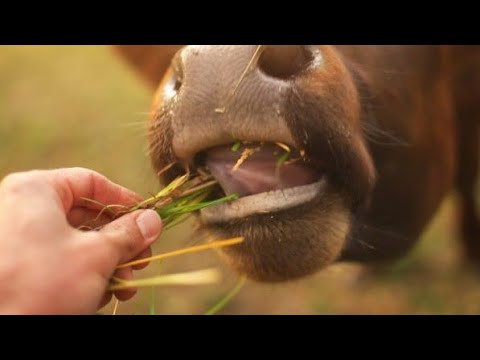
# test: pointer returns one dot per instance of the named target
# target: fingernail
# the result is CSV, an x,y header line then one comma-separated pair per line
x,y
150,225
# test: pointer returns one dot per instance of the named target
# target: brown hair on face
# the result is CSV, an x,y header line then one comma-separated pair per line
x,y
324,113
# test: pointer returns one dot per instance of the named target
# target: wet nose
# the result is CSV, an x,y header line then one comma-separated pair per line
x,y
277,61
225,92
284,61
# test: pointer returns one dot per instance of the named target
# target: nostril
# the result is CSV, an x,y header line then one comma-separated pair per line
x,y
177,67
178,83
284,61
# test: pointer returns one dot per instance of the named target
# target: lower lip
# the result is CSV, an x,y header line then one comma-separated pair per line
x,y
264,203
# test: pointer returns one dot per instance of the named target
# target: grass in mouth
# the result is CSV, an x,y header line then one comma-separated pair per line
x,y
283,157
181,198
174,203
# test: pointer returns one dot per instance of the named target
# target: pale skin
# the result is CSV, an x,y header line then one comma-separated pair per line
x,y
48,265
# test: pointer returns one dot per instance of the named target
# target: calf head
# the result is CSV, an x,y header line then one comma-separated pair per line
x,y
294,221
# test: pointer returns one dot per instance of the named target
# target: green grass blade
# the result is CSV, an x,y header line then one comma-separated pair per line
x,y
227,298
181,203
152,301
166,191
175,211
282,160
236,146
175,222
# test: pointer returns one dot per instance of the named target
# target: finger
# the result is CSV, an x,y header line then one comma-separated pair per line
x,y
107,297
76,184
125,238
127,294
143,255
80,216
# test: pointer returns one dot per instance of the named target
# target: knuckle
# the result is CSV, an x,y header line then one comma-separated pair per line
x,y
81,170
94,177
22,181
98,182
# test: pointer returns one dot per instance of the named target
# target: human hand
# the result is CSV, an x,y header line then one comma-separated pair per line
x,y
47,266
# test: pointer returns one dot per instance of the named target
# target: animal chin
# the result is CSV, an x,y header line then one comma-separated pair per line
x,y
263,184
291,214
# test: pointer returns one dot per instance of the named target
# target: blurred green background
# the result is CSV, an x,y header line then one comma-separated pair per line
x,y
63,106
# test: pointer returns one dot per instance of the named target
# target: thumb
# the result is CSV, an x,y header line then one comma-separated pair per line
x,y
131,234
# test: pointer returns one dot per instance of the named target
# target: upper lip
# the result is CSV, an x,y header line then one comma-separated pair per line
x,y
189,152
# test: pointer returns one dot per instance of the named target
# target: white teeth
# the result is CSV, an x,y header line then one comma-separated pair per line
x,y
263,203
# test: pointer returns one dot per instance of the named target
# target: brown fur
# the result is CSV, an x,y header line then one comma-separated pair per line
x,y
397,127
152,61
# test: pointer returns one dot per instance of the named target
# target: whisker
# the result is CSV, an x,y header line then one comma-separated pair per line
x,y
145,113
386,232
134,124
165,169
377,136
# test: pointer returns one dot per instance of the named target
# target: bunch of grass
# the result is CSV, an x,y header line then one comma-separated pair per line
x,y
176,202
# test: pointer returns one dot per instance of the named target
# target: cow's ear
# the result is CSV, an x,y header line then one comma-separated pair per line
x,y
151,61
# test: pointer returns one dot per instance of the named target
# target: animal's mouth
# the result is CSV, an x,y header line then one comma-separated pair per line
x,y
267,178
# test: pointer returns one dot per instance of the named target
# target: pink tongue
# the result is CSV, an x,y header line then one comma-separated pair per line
x,y
258,173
